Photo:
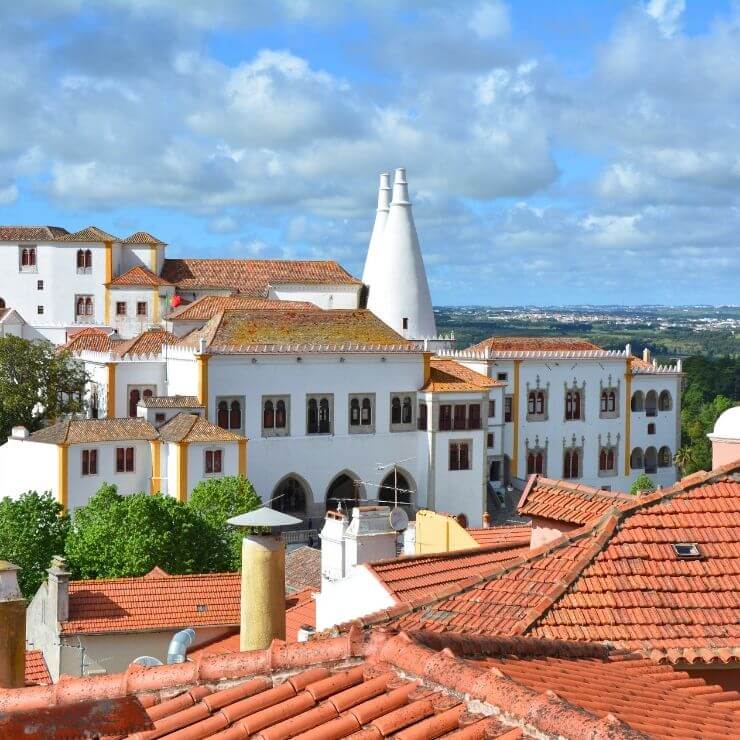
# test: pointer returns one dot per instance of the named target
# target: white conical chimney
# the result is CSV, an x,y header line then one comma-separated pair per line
x,y
399,292
376,238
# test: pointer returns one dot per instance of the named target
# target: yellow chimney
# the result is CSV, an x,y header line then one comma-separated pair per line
x,y
12,628
263,578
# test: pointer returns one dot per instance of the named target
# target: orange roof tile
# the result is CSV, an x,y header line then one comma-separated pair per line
x,y
138,277
90,339
448,376
618,580
414,576
253,277
141,237
508,535
37,674
566,501
407,686
88,234
170,402
208,306
81,431
537,344
193,428
31,233
149,342
340,330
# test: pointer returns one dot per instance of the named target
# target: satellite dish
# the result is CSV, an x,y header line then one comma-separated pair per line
x,y
147,660
399,519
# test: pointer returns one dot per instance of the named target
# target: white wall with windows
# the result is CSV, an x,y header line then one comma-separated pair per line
x,y
131,310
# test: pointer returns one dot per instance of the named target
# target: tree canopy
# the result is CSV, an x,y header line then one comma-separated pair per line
x,y
38,383
642,484
32,530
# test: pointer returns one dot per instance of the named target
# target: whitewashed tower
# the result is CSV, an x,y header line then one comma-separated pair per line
x,y
394,269
372,261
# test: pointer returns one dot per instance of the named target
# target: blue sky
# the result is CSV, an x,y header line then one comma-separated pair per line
x,y
557,152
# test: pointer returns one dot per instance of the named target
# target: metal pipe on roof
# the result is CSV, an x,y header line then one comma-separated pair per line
x,y
179,644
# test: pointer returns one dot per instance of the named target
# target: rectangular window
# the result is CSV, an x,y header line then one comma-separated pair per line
x,y
361,413
423,418
651,428
491,408
160,418
214,462
120,308
89,462
39,285
460,455
474,421
405,323
460,416
495,470
403,408
504,377
508,416
141,308
39,310
27,259
124,459
489,439
230,412
445,417
319,414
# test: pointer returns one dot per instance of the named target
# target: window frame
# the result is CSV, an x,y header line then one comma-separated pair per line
x,y
606,451
145,313
124,467
609,402
87,315
91,453
145,391
31,265
459,445
121,309
403,398
508,409
491,408
422,416
319,397
213,451
274,430
229,410
361,428
569,455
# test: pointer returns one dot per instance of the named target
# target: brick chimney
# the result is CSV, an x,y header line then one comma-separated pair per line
x,y
58,589
12,628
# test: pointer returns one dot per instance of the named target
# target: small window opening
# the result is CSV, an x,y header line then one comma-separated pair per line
x,y
687,550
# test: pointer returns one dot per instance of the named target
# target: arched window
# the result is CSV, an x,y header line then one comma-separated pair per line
x,y
651,460
664,401
281,415
664,457
366,417
610,459
235,415
324,417
94,405
408,412
312,414
602,460
387,495
80,259
24,258
540,405
80,307
535,463
344,489
354,412
604,402
530,463
222,417
88,259
530,402
638,401
289,497
134,397
268,415
636,460
396,411
88,306
612,403
148,393
606,460
573,405
571,464
651,403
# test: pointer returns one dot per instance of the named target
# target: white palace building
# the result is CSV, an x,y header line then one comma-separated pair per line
x,y
319,386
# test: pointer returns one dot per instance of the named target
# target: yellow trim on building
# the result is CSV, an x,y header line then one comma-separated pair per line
x,y
203,381
111,402
153,259
427,367
63,473
155,306
181,452
627,417
515,418
242,452
156,483
108,278
440,533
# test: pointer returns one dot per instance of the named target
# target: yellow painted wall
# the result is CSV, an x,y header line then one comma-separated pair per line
x,y
63,472
439,533
181,450
203,381
156,485
242,449
111,405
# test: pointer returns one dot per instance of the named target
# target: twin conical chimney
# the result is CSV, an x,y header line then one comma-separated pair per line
x,y
394,269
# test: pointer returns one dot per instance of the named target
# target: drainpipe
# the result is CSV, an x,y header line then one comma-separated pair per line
x,y
179,644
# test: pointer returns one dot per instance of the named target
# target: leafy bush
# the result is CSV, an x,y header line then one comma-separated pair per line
x,y
642,484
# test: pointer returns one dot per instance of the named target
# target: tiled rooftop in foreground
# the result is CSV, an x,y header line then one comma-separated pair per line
x,y
408,686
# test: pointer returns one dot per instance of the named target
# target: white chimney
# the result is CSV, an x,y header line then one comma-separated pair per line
x,y
58,590
628,350
369,536
333,567
399,292
374,256
19,432
646,355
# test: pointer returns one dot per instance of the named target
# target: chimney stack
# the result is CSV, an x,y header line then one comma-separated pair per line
x,y
263,578
12,628
646,355
374,257
58,589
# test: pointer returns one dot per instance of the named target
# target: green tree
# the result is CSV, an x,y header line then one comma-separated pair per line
x,y
116,536
32,530
642,484
697,420
218,499
38,383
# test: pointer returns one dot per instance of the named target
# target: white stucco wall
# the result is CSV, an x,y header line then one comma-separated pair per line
x,y
28,466
324,296
131,324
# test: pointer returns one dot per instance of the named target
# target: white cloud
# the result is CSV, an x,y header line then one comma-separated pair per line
x,y
667,14
490,20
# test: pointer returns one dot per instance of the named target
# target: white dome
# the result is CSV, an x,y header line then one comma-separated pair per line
x,y
727,425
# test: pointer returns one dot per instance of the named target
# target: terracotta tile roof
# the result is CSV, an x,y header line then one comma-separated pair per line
x,y
90,339
566,501
540,344
415,576
141,237
170,402
149,342
31,233
209,305
509,535
303,569
340,330
156,601
88,234
139,277
82,431
407,687
253,276
448,376
37,674
192,428
618,580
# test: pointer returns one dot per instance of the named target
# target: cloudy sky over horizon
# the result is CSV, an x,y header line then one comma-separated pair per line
x,y
557,153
